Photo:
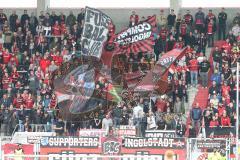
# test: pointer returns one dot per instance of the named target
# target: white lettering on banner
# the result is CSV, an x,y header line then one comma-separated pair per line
x,y
135,38
95,32
149,142
135,30
166,60
70,141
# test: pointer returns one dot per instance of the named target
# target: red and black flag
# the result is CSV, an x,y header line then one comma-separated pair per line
x,y
138,38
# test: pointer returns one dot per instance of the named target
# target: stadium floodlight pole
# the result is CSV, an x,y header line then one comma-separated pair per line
x,y
237,110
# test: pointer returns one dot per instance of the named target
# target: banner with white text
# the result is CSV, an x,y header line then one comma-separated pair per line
x,y
95,32
138,38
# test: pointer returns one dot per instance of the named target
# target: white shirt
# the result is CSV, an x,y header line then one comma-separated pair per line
x,y
236,30
137,110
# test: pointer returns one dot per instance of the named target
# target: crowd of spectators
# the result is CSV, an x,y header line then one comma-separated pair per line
x,y
32,48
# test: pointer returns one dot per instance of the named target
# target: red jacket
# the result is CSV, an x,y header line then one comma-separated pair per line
x,y
44,63
225,121
214,123
135,17
193,65
29,103
5,82
56,30
6,57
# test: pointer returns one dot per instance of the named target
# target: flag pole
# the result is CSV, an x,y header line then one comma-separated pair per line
x,y
237,110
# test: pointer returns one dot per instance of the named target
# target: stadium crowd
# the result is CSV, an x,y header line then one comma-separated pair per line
x,y
32,48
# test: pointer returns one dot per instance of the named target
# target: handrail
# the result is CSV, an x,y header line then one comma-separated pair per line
x,y
14,130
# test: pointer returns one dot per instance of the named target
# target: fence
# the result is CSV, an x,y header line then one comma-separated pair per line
x,y
83,157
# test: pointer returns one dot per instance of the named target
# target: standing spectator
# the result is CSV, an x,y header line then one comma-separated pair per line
x,y
117,114
236,19
24,17
107,123
188,18
236,30
210,16
216,76
62,18
56,30
211,29
60,127
39,28
12,21
199,20
151,122
8,39
3,18
217,57
161,19
171,19
41,17
33,22
190,40
191,131
143,124
204,68
71,19
222,20
193,67
134,19
54,18
81,15
202,43
163,35
180,129
196,116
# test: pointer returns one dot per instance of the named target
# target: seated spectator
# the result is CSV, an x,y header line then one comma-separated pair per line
x,y
225,120
214,100
214,122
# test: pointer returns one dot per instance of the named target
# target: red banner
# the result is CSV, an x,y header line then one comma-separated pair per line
x,y
138,38
87,146
10,149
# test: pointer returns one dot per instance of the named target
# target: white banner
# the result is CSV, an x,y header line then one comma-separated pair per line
x,y
95,31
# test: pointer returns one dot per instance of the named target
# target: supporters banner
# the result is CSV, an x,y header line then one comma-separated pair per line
x,y
71,142
174,143
138,38
95,32
114,146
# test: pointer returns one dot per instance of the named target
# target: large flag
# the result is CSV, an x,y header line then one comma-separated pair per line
x,y
95,31
138,38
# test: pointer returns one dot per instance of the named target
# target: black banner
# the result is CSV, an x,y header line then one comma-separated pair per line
x,y
211,144
95,31
218,132
160,134
174,143
138,38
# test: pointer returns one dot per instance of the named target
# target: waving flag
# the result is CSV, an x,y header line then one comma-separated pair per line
x,y
138,38
95,32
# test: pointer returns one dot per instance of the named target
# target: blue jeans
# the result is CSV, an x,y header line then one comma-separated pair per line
x,y
194,77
